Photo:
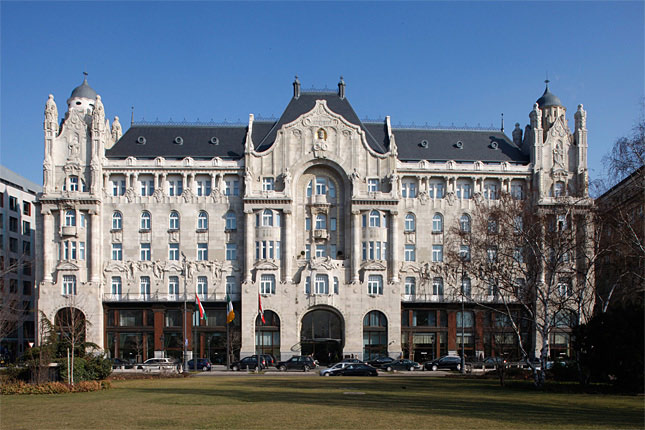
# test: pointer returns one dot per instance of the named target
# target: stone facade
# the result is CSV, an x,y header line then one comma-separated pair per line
x,y
336,225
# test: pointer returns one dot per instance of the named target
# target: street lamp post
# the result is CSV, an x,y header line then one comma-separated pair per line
x,y
183,256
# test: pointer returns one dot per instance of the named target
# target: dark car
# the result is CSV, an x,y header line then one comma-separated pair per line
x,y
350,360
250,363
202,363
494,363
403,364
355,369
298,363
451,362
268,360
380,361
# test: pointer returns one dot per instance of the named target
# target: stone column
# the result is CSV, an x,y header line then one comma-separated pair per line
x,y
356,244
156,180
249,231
287,249
94,246
394,246
106,183
48,253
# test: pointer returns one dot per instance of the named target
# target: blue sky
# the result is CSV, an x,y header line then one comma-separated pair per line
x,y
419,62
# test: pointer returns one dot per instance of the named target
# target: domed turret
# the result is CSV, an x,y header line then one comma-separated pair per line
x,y
548,98
82,97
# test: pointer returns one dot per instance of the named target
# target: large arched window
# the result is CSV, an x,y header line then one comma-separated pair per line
x,y
267,334
267,218
173,220
146,221
374,335
437,223
464,223
375,219
117,221
410,223
70,218
202,221
231,220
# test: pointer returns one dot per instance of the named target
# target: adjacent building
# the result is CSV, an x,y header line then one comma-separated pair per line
x,y
335,227
17,250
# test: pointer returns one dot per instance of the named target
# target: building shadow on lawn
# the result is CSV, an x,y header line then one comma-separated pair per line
x,y
414,396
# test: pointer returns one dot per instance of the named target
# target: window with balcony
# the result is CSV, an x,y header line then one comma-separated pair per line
x,y
202,220
375,285
69,285
375,219
491,190
464,189
321,222
517,191
436,189
118,186
408,188
231,187
70,218
175,186
267,218
203,186
146,186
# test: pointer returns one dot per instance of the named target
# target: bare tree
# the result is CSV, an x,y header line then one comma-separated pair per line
x,y
628,153
70,325
531,264
12,313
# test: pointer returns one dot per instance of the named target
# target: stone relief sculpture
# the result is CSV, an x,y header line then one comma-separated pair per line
x,y
558,154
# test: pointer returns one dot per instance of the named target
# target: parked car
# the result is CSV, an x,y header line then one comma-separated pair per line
x,y
378,362
333,368
202,363
355,369
450,362
159,364
350,360
305,364
402,364
250,363
494,363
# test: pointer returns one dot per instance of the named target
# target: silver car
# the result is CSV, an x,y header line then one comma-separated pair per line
x,y
341,365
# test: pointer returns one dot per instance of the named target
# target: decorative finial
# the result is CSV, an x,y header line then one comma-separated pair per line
x,y
502,122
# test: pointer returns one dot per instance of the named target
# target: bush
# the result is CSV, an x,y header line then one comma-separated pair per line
x,y
90,368
563,371
21,387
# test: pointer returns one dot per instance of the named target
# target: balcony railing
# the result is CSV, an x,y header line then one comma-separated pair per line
x,y
165,297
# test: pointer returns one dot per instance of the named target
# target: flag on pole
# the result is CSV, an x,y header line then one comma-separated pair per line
x,y
260,310
202,314
230,314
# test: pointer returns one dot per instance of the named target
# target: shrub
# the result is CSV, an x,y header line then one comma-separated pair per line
x,y
90,368
21,387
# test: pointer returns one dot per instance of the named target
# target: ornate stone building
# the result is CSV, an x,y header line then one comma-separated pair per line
x,y
336,225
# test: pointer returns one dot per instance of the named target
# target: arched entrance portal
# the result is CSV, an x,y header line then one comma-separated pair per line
x,y
321,336
70,327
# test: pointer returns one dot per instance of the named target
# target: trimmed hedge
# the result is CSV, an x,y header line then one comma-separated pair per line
x,y
20,387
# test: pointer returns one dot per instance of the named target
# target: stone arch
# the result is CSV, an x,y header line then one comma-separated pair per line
x,y
322,334
70,324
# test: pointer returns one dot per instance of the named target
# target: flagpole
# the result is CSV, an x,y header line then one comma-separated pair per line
x,y
197,317
228,354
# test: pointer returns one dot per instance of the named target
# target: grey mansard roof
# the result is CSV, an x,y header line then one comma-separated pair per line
x,y
227,141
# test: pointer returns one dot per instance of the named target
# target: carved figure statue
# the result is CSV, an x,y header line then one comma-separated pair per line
x,y
74,147
286,178
157,269
558,154
248,179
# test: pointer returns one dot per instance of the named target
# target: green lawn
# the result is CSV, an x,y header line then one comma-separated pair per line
x,y
266,402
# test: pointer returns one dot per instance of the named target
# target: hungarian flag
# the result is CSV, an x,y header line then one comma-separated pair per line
x,y
260,310
230,314
202,314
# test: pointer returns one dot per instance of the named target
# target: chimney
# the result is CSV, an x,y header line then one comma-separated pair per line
x,y
341,88
296,88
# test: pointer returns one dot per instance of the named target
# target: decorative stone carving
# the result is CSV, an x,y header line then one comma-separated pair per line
x,y
51,115
187,195
117,131
130,195
158,195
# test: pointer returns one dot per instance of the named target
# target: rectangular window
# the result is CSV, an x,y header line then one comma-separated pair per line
x,y
26,208
69,285
13,203
147,187
231,188
410,253
436,190
464,252
335,285
437,253
145,252
13,224
375,285
26,228
332,224
231,285
307,224
437,286
73,183
173,285
373,185
231,251
118,187
203,187
202,251
267,284
277,250
117,252
268,184
333,251
322,284
307,252
173,251
144,286
408,190
116,285
321,251
308,285
202,286
175,187
410,286
517,191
